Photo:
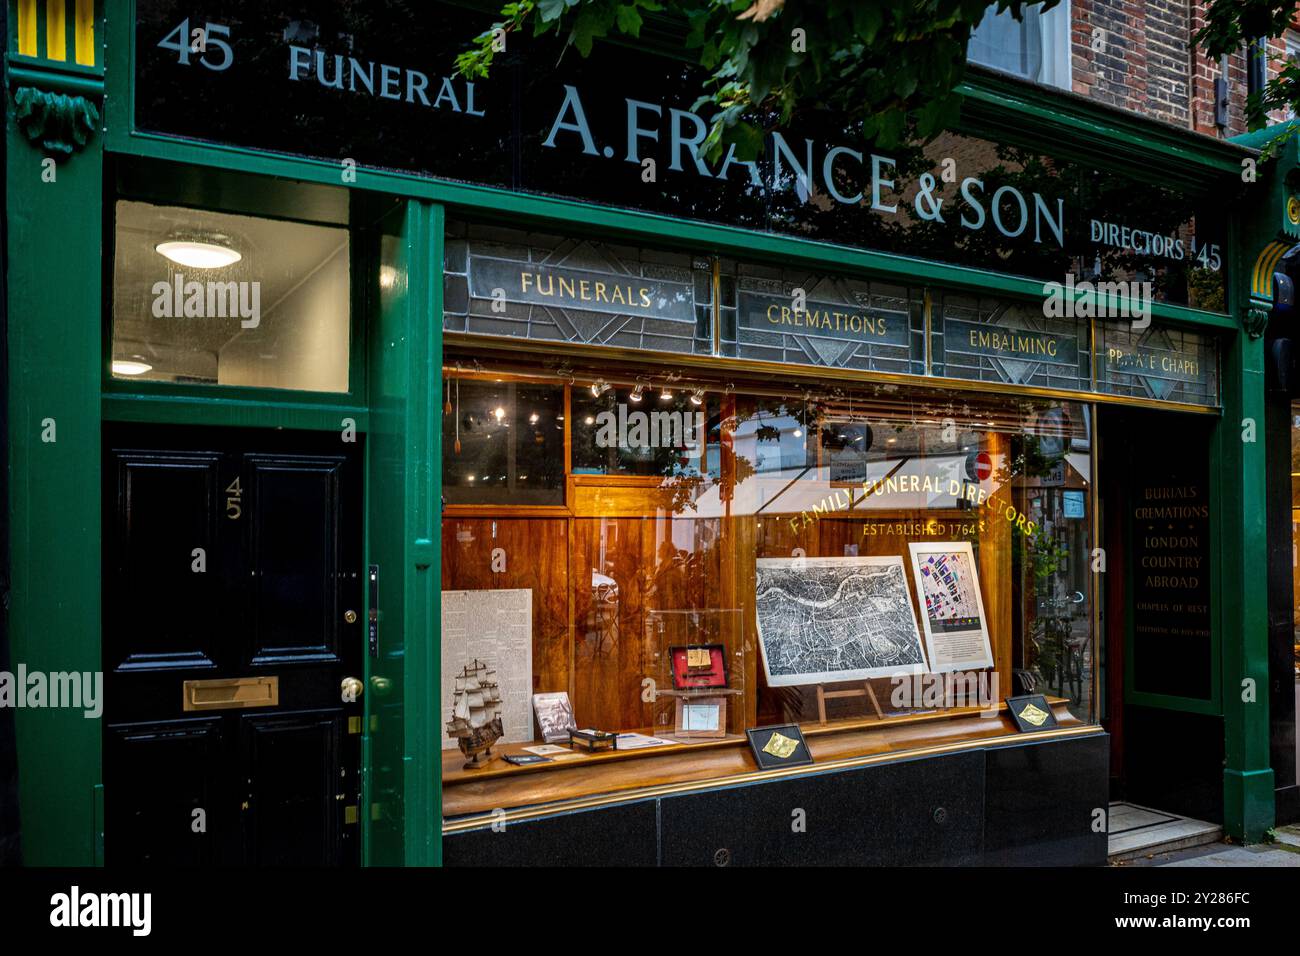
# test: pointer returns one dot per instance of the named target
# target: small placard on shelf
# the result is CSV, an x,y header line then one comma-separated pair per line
x,y
781,745
1031,712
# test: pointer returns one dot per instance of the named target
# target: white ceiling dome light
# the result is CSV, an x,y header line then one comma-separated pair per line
x,y
199,253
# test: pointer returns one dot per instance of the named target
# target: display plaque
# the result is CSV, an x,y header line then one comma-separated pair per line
x,y
778,746
1031,713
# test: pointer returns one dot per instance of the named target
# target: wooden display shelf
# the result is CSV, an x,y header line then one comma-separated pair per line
x,y
503,786
454,772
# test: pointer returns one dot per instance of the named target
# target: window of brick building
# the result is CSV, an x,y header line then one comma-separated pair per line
x,y
1036,47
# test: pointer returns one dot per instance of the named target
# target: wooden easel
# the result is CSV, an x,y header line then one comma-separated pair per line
x,y
865,690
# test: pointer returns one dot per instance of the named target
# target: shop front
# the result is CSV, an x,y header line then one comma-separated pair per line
x,y
478,473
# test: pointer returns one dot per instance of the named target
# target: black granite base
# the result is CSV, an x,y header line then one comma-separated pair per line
x,y
1009,805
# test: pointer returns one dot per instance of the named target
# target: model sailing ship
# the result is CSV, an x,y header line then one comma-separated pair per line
x,y
476,714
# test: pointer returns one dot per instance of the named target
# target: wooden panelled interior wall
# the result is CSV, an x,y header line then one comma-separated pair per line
x,y
682,578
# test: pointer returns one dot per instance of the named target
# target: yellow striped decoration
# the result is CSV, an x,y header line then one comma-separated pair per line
x,y
27,27
85,35
56,30
66,28
1261,280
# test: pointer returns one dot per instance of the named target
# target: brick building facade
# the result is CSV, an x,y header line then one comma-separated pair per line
x,y
1140,56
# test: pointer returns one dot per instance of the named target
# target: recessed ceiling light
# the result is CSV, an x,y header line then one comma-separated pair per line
x,y
198,255
130,367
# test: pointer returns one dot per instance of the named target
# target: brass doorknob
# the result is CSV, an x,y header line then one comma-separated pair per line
x,y
351,688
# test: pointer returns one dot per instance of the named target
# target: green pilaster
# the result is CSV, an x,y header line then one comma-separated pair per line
x,y
424,543
1239,449
404,529
54,306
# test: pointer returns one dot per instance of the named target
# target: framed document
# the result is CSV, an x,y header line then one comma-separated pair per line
x,y
698,665
952,610
822,620
701,717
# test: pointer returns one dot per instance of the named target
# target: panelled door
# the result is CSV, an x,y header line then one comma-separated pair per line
x,y
233,635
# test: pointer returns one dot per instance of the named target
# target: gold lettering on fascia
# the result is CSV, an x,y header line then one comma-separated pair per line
x,y
1153,362
1014,342
829,320
585,290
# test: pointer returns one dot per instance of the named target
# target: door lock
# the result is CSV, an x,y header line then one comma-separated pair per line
x,y
350,616
351,688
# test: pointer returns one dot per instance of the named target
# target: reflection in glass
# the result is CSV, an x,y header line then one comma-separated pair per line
x,y
502,443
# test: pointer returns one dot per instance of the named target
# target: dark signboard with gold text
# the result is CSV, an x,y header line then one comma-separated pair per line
x,y
1170,529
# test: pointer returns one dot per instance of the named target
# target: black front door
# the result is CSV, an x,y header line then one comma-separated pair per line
x,y
233,635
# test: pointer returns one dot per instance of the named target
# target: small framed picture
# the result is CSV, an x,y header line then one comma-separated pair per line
x,y
781,745
554,716
699,665
701,717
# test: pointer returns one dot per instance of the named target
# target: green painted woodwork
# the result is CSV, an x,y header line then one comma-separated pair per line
x,y
1243,593
587,219
214,410
1248,782
403,528
59,122
1016,111
54,233
57,369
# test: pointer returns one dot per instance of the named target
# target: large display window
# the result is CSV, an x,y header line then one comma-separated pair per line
x,y
641,562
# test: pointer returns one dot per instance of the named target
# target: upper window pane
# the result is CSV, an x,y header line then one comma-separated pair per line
x,y
216,299
1036,47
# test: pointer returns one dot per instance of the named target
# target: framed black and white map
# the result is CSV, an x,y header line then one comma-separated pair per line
x,y
948,588
822,620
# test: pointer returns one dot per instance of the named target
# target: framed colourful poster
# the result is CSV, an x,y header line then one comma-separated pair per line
x,y
952,610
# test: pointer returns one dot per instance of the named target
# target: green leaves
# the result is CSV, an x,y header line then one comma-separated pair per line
x,y
1231,23
890,64
629,20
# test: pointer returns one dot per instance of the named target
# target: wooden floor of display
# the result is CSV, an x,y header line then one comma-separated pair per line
x,y
500,785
